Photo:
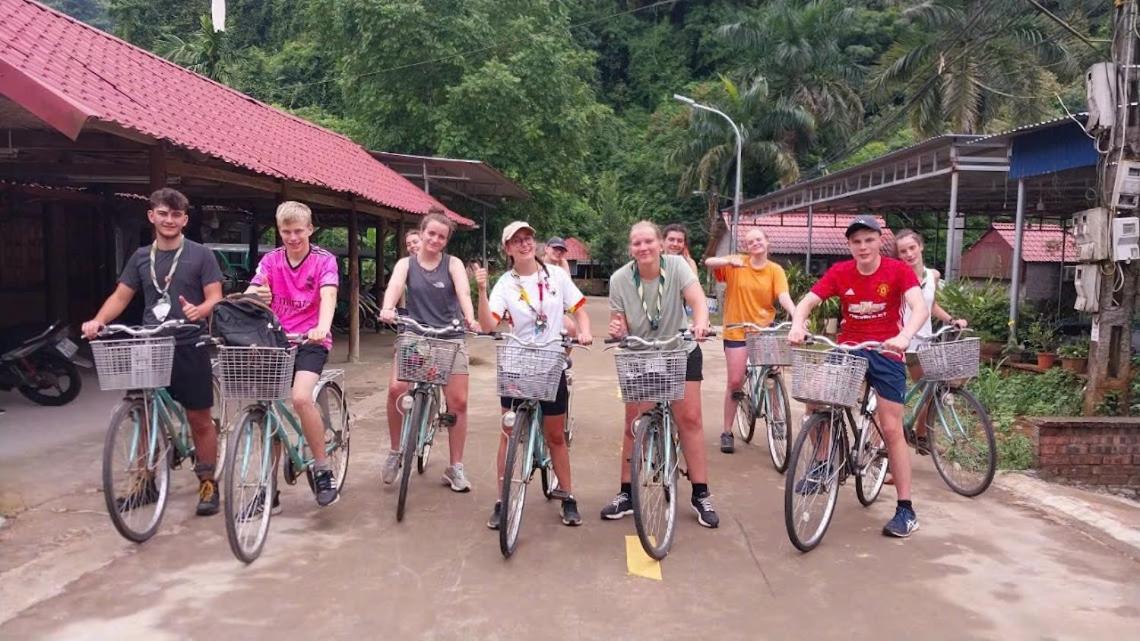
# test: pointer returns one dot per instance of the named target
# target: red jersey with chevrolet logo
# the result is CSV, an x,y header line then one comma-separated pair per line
x,y
872,305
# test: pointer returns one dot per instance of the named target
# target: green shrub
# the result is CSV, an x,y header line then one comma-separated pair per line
x,y
984,305
1076,349
1042,336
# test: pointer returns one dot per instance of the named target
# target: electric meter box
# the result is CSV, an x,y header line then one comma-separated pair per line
x,y
1126,239
1086,280
1092,234
1101,81
1126,192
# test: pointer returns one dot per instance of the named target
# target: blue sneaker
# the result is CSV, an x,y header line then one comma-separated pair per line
x,y
903,524
816,480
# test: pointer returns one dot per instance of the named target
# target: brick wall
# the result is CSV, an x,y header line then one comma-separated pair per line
x,y
1091,451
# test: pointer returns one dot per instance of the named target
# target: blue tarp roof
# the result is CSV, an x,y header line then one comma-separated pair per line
x,y
1051,150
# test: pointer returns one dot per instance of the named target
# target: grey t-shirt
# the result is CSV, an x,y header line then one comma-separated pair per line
x,y
625,299
197,268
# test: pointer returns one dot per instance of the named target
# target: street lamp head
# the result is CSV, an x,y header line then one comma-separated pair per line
x,y
685,99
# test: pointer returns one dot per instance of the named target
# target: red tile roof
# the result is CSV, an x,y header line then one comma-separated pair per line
x,y
577,250
1040,243
68,73
788,233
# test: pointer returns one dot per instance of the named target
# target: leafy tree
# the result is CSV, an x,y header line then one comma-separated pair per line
x,y
204,52
93,12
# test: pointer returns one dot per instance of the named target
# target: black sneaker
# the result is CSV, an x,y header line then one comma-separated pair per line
x,y
904,523
706,514
325,483
208,499
570,514
253,510
496,516
727,443
617,508
143,493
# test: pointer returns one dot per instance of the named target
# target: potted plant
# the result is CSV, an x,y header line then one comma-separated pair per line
x,y
1075,356
1044,340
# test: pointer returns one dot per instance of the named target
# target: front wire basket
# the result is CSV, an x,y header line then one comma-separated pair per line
x,y
134,363
656,376
950,360
529,372
256,373
827,378
422,359
769,348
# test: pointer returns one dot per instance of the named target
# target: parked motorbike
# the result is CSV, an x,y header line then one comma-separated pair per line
x,y
43,366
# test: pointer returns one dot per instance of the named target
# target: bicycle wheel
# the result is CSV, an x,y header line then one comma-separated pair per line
x,y
777,420
433,429
221,425
872,463
812,482
516,476
568,426
251,483
413,426
961,440
654,485
334,414
746,409
136,472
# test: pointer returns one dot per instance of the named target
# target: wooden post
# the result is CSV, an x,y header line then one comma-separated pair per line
x,y
55,244
354,286
1110,350
378,286
401,250
157,167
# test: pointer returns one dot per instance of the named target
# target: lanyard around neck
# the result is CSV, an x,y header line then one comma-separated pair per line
x,y
543,286
173,267
654,321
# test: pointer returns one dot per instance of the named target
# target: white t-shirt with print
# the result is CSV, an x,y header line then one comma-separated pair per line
x,y
559,295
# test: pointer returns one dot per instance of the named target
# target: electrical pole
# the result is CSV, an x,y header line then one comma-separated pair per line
x,y
1110,351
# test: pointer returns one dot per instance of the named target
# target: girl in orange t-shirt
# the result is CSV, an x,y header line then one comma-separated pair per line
x,y
754,285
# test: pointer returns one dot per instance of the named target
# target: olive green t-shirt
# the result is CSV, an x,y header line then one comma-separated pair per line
x,y
625,299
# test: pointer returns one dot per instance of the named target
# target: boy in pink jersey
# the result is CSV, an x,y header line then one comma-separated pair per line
x,y
299,281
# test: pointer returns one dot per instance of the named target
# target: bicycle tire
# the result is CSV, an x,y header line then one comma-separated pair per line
x,y
745,419
649,443
248,511
517,470
411,444
441,408
870,478
334,416
797,466
779,432
986,462
568,425
221,427
131,413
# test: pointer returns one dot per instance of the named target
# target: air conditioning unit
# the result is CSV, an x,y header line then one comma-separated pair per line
x,y
1092,234
1087,283
1126,191
1126,239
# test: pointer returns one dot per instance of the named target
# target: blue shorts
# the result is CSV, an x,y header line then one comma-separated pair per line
x,y
886,375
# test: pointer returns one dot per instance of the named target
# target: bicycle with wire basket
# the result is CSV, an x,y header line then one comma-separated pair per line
x,y
824,454
653,371
763,395
264,428
424,359
959,432
149,433
530,372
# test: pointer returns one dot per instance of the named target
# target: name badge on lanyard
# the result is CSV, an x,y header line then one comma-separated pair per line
x,y
161,309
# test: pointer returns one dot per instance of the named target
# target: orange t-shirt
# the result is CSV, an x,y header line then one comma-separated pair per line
x,y
751,295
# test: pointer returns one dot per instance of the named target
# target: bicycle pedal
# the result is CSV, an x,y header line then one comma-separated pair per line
x,y
447,420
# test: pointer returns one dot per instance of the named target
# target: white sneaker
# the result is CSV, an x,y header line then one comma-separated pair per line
x,y
391,468
455,477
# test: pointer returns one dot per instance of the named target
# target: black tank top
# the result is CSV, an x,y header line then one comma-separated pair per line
x,y
431,293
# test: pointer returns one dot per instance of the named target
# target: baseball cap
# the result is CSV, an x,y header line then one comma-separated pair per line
x,y
863,222
510,230
556,241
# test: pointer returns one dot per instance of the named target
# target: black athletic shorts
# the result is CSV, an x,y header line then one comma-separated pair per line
x,y
557,407
695,365
310,358
191,378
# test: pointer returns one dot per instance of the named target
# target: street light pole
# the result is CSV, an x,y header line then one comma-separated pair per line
x,y
739,152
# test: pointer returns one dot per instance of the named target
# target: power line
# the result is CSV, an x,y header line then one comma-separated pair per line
x,y
1066,26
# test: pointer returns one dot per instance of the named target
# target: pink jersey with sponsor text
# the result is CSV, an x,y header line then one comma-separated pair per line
x,y
297,288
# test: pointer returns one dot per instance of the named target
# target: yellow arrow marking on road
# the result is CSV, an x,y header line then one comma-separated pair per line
x,y
638,563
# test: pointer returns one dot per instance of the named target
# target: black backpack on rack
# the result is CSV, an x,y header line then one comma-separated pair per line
x,y
243,320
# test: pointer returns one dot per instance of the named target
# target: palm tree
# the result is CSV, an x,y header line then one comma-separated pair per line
x,y
963,64
797,46
204,52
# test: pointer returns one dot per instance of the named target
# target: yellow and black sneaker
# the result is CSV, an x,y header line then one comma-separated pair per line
x,y
207,497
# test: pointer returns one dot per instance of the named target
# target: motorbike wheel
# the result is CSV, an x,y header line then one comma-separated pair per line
x,y
59,380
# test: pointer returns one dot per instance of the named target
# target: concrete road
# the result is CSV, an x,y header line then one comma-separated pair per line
x,y
978,569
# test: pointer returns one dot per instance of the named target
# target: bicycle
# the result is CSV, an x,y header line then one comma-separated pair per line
x,y
763,395
149,433
426,361
833,379
264,375
530,372
960,434
653,375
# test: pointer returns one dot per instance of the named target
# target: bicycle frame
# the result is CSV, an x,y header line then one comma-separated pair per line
x,y
162,412
537,453
427,391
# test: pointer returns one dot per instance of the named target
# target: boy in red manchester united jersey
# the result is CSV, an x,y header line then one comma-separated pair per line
x,y
872,291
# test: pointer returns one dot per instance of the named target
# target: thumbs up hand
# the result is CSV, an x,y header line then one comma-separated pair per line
x,y
191,312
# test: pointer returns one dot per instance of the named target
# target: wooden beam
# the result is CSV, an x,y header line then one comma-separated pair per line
x,y
354,286
381,233
157,167
217,174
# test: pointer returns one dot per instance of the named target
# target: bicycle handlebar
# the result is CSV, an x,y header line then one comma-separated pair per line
x,y
683,336
755,327
563,341
454,328
140,330
951,328
819,338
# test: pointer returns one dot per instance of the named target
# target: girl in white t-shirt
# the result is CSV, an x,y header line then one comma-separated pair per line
x,y
532,298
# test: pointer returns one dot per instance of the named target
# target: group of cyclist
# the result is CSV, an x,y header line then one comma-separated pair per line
x,y
656,295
